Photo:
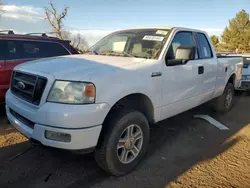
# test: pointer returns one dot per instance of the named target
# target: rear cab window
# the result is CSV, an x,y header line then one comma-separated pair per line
x,y
204,48
246,60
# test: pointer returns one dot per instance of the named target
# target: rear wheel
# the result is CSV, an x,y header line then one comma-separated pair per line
x,y
123,143
225,101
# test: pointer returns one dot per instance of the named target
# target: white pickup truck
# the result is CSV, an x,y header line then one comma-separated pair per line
x,y
105,101
244,83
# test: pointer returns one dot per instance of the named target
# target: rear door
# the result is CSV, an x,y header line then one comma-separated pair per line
x,y
206,66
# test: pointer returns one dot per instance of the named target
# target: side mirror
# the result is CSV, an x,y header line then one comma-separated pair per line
x,y
182,55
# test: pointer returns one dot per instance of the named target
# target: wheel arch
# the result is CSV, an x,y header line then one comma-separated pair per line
x,y
136,101
232,78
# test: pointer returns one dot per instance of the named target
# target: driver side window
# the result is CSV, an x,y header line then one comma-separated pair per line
x,y
181,39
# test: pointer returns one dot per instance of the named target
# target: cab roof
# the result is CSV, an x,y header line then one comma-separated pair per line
x,y
161,27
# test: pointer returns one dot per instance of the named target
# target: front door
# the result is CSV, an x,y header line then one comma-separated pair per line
x,y
179,81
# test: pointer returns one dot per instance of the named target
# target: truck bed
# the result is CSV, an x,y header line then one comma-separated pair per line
x,y
226,64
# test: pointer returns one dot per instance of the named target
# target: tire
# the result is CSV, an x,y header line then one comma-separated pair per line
x,y
107,154
223,104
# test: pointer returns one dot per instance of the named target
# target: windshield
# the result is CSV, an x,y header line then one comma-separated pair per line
x,y
142,43
246,60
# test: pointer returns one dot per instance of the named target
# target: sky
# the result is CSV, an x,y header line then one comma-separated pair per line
x,y
96,18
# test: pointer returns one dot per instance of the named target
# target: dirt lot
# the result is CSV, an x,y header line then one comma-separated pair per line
x,y
184,152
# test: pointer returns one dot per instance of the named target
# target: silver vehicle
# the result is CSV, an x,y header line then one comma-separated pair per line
x,y
225,53
244,84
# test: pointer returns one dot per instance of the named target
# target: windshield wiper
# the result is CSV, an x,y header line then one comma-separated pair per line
x,y
125,54
90,51
110,52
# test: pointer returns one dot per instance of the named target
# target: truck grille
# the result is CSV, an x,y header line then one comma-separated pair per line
x,y
28,87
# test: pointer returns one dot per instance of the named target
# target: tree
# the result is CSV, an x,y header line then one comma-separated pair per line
x,y
77,40
56,19
236,36
1,8
215,40
79,43
219,47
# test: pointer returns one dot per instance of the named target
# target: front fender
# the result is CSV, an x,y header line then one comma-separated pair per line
x,y
115,97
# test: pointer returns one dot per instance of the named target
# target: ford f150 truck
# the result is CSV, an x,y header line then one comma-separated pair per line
x,y
105,100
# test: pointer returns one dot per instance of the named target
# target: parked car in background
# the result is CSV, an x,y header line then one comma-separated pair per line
x,y
244,84
238,68
17,49
104,102
225,53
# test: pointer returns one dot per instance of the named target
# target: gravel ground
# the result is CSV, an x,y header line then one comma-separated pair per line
x,y
184,152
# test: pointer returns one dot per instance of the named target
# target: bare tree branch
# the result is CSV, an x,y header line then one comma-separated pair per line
x,y
56,19
53,8
77,41
1,8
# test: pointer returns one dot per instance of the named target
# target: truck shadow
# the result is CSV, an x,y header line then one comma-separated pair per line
x,y
176,145
5,127
2,110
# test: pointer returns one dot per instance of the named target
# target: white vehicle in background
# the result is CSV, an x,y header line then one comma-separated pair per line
x,y
245,79
225,53
106,100
239,68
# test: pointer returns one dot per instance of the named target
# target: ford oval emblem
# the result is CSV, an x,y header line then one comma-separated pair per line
x,y
21,85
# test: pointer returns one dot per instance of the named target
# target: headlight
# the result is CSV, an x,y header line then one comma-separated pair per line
x,y
245,77
72,92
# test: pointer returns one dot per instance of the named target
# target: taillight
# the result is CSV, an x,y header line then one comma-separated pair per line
x,y
239,68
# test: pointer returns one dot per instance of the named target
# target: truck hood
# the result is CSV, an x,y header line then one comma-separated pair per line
x,y
75,67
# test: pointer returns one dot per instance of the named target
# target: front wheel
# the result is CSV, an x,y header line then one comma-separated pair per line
x,y
225,101
123,143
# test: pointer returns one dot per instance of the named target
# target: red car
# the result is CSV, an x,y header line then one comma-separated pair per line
x,y
16,49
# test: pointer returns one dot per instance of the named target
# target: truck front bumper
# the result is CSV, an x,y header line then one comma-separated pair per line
x,y
76,127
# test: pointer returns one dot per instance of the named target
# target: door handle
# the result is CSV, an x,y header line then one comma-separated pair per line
x,y
200,70
155,74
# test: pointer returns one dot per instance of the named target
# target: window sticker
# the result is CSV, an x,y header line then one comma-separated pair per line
x,y
205,51
153,38
161,32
